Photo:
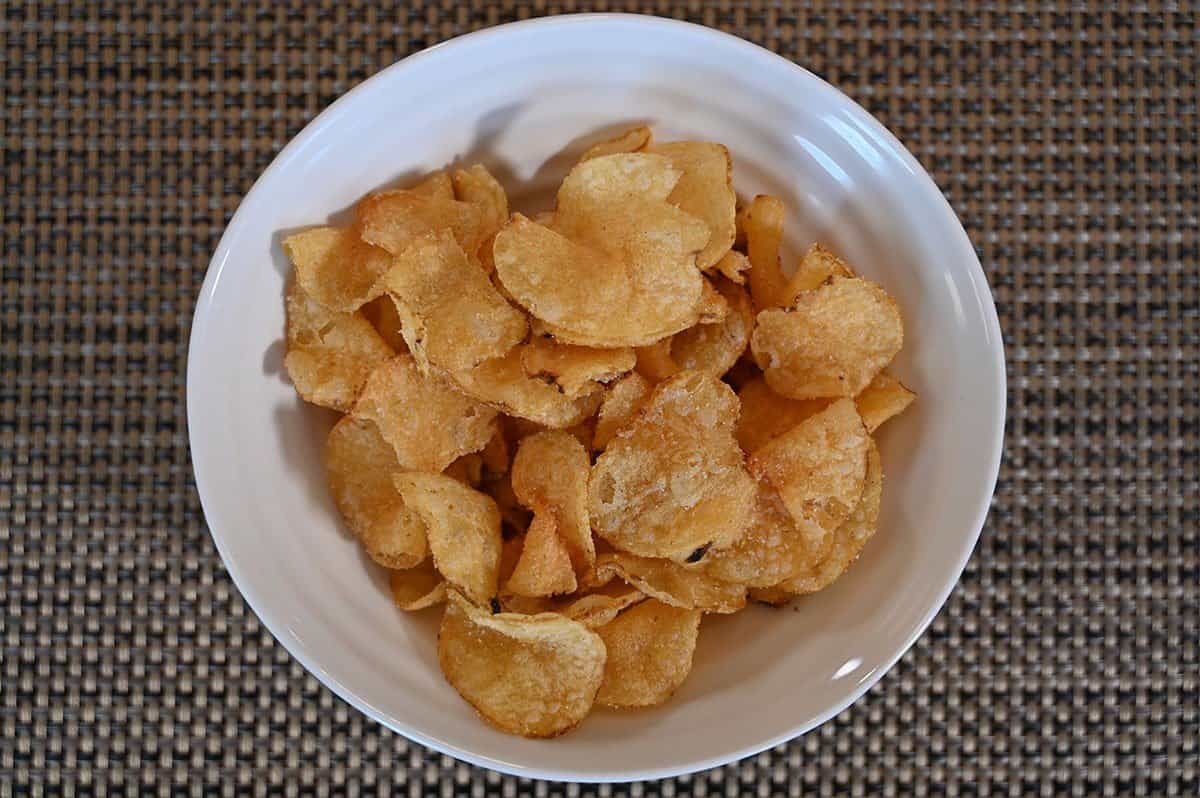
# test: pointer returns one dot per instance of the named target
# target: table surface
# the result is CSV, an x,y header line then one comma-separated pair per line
x,y
1066,662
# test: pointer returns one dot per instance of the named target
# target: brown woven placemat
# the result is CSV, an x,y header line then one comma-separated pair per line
x,y
1065,136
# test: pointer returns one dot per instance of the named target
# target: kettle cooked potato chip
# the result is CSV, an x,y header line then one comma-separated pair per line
x,y
705,190
417,588
336,267
650,648
550,471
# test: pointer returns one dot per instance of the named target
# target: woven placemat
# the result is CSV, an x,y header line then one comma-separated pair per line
x,y
1065,662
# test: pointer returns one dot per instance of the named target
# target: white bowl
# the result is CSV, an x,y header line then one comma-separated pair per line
x,y
514,97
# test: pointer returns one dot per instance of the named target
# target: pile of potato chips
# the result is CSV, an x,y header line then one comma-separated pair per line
x,y
580,432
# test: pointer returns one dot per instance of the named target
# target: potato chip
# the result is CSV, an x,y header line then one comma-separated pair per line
x,y
359,465
817,266
619,269
544,568
381,312
602,604
395,219
336,267
672,583
885,397
550,470
495,455
476,186
621,402
463,528
773,548
831,343
451,315
762,221
654,362
847,541
818,466
467,469
576,370
533,675
650,648
767,415
503,384
427,422
418,587
329,355
732,266
436,186
705,190
673,481
773,596
515,517
743,372
635,139
714,305
714,348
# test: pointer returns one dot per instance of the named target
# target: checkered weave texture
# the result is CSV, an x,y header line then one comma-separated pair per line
x,y
1065,663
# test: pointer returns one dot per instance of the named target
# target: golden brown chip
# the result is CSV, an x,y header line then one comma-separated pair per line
x,y
576,370
673,481
602,604
774,596
732,266
514,516
714,348
650,649
467,469
672,583
705,190
774,546
418,587
767,415
654,361
329,355
848,539
817,266
495,455
544,568
743,372
762,221
714,305
359,465
381,312
818,466
831,343
463,528
397,218
885,397
451,315
533,675
476,186
635,139
503,384
436,186
336,267
427,422
621,402
550,470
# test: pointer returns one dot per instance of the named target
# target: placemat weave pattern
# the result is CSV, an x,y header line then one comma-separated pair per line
x,y
1065,136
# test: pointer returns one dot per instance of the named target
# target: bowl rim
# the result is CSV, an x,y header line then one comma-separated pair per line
x,y
279,630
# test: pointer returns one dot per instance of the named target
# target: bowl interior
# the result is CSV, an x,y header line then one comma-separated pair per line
x,y
525,100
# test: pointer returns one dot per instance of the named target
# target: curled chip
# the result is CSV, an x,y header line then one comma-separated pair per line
x,y
381,312
705,190
418,587
762,222
774,546
601,605
831,343
672,583
329,355
673,480
619,269
767,415
533,675
467,469
544,568
358,465
622,400
732,266
476,186
503,384
885,397
576,370
714,305
654,362
848,539
336,267
714,348
451,315
817,266
633,140
818,466
550,471
650,649
436,186
396,219
463,527
427,422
